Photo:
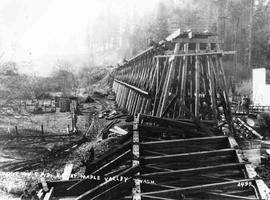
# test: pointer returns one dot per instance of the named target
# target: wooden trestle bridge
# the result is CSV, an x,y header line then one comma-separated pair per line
x,y
175,148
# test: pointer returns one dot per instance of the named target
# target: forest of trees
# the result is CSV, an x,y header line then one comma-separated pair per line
x,y
241,24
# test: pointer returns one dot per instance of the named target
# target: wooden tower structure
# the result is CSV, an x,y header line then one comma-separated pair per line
x,y
180,77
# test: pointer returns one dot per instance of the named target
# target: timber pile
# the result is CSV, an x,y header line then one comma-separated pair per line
x,y
244,130
39,161
146,166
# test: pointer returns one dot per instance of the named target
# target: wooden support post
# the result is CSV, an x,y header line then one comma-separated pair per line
x,y
212,88
168,81
197,82
183,82
68,129
136,191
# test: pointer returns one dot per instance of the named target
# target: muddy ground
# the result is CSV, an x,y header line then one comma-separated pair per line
x,y
21,148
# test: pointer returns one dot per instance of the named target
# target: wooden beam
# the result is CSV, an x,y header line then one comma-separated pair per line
x,y
115,192
201,53
168,81
228,196
159,187
179,142
105,185
250,129
111,153
196,189
167,121
166,110
178,173
154,152
145,129
199,40
49,195
197,82
113,163
149,197
67,172
186,156
136,190
136,89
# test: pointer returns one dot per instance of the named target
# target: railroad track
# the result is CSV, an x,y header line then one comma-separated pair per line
x,y
161,160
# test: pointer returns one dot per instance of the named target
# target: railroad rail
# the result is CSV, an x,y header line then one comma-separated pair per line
x,y
167,159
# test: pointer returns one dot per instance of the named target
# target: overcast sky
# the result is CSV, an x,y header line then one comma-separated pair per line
x,y
39,31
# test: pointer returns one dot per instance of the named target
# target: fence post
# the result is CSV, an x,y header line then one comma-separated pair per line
x,y
42,133
68,131
16,130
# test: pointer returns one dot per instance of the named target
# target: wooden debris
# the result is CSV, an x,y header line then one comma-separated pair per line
x,y
67,172
155,168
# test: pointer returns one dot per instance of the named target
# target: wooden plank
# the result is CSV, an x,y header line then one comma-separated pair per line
x,y
186,156
149,197
193,163
200,53
197,188
132,87
49,195
186,148
105,185
167,121
184,132
219,195
199,40
109,154
115,192
179,142
198,170
228,196
67,172
152,168
154,152
250,129
82,186
40,194
166,110
113,163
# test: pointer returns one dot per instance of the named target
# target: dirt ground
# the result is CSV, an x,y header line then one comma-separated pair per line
x,y
14,150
